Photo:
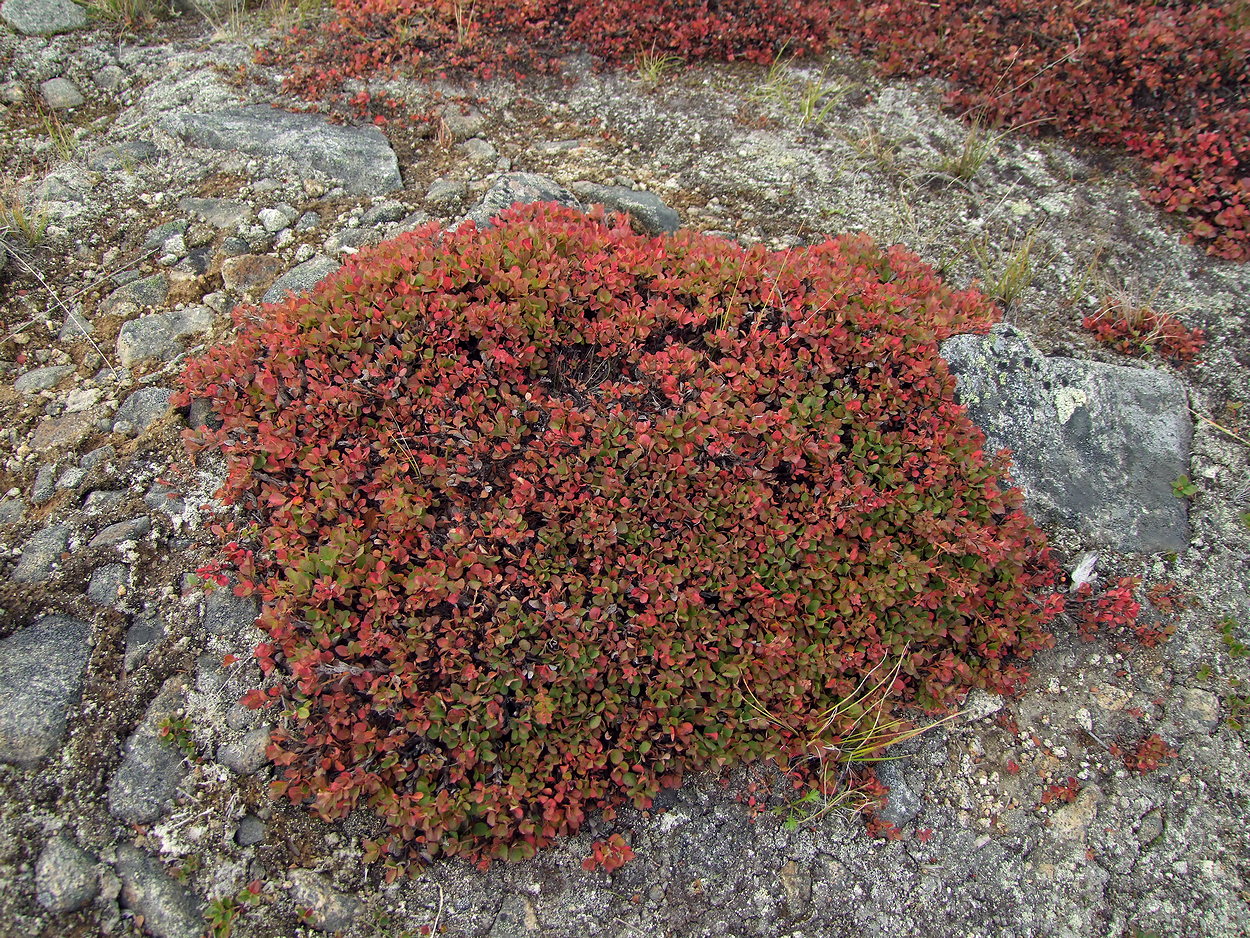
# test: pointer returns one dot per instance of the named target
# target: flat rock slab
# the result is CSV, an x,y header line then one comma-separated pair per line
x,y
525,188
303,277
43,17
144,786
358,157
41,674
1095,447
168,910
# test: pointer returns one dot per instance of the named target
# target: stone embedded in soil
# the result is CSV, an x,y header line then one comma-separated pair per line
x,y
249,272
220,213
122,156
478,150
108,584
43,17
102,500
44,486
251,830
160,335
1192,711
41,379
227,614
445,193
71,478
383,213
65,876
60,93
513,919
41,674
461,122
108,77
902,804
168,909
304,277
162,233
328,909
141,409
144,786
122,531
519,187
11,510
1095,447
61,432
275,219
141,637
40,554
652,215
358,157
166,499
96,456
246,755
146,291
351,240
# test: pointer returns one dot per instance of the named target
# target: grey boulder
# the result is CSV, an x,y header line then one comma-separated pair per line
x,y
1095,447
159,336
143,788
41,676
141,409
300,278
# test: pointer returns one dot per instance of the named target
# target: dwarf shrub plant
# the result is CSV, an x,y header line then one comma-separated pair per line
x,y
1165,79
554,513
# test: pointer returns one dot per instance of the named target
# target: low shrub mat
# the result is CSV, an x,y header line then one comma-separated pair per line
x,y
552,513
1166,79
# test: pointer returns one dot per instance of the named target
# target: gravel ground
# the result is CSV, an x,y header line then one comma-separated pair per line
x,y
154,228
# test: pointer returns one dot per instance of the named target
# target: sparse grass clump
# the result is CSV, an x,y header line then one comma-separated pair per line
x,y
553,513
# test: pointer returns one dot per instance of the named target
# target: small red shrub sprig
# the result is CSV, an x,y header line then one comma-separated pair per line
x,y
1065,791
608,855
1150,753
554,512
1137,330
1115,607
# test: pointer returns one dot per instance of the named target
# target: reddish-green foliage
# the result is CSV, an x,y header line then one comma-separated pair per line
x,y
1062,791
524,36
549,511
1150,753
1115,607
1136,330
1167,79
608,855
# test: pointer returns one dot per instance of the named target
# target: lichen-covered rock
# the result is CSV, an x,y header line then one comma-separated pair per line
x,y
1095,447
